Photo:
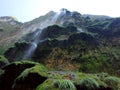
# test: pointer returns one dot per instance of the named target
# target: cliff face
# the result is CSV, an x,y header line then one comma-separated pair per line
x,y
66,40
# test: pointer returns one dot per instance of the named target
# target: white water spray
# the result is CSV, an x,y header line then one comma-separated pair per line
x,y
80,30
57,15
31,49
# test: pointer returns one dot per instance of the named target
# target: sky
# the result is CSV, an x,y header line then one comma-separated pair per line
x,y
26,10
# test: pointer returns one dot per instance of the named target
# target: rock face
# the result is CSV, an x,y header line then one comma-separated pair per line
x,y
68,40
56,31
68,48
12,71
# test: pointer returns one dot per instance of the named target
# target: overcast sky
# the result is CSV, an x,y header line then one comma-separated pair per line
x,y
26,10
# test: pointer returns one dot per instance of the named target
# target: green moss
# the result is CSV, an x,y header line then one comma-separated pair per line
x,y
3,59
40,69
25,62
47,85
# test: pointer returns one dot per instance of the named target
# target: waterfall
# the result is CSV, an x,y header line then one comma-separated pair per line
x,y
57,15
33,45
80,30
36,36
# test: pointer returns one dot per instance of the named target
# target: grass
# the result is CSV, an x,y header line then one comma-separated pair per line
x,y
113,82
46,85
89,83
56,84
64,84
59,81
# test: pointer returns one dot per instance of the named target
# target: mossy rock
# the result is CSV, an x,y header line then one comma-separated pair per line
x,y
11,72
17,52
3,61
46,85
83,40
30,78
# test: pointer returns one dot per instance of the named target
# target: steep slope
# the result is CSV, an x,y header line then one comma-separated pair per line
x,y
68,40
12,30
63,17
9,32
65,48
67,43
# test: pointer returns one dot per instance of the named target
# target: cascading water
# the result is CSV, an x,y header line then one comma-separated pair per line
x,y
31,49
80,29
57,15
36,37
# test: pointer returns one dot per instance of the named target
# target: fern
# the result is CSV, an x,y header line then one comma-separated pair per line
x,y
46,85
64,84
112,82
89,83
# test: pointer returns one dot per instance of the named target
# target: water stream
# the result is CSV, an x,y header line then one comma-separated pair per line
x,y
36,37
33,45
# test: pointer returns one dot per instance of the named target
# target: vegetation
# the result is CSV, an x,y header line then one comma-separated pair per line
x,y
80,53
40,69
89,84
113,82
54,80
64,84
3,59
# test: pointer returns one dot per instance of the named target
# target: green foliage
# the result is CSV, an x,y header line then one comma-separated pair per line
x,y
40,69
112,82
25,62
64,84
47,85
89,83
102,75
1,72
3,59
56,84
